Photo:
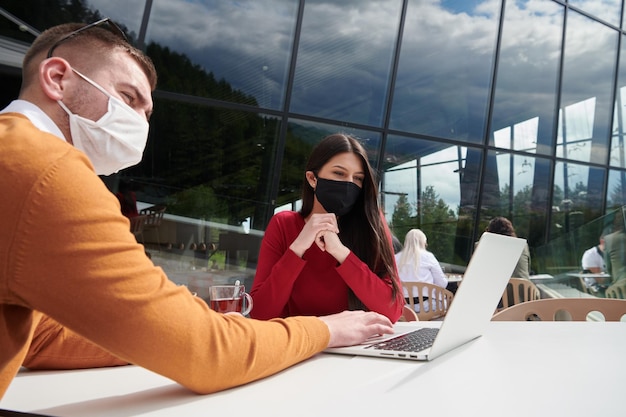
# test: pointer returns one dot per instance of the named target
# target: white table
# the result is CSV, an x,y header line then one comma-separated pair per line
x,y
600,277
589,275
560,290
454,277
515,369
541,277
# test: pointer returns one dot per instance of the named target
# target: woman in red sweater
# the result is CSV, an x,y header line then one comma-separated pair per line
x,y
334,254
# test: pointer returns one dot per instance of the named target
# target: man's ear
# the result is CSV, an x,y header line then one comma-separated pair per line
x,y
310,177
53,76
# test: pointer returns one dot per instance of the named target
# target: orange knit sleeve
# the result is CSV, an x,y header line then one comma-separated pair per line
x,y
56,347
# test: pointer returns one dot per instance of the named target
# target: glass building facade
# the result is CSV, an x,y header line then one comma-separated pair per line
x,y
468,110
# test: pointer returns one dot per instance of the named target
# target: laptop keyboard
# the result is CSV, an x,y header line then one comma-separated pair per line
x,y
415,341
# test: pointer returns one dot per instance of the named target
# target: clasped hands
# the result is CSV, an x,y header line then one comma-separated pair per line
x,y
322,229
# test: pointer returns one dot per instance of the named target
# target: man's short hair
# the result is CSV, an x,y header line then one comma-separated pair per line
x,y
96,40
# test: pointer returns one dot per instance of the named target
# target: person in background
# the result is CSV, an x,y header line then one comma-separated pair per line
x,y
336,252
615,248
395,244
127,199
88,296
592,261
416,264
503,226
593,258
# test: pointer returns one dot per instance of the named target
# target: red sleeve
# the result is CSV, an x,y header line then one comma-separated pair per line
x,y
374,292
276,271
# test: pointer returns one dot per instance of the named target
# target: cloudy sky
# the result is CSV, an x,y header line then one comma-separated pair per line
x,y
346,48
445,65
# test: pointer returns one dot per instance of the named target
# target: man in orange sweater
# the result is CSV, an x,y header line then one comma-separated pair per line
x,y
87,295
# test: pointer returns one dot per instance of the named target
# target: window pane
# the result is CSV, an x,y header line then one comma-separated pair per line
x,y
344,59
442,86
616,194
607,10
618,152
589,64
212,168
126,13
208,163
577,196
525,97
244,46
523,190
431,186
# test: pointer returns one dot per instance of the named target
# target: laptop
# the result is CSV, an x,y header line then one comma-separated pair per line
x,y
471,310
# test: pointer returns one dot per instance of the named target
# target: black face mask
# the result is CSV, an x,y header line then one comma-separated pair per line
x,y
337,197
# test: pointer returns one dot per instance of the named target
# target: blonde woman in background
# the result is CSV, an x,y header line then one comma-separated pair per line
x,y
416,264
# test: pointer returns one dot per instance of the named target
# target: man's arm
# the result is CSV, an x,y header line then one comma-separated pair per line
x,y
56,347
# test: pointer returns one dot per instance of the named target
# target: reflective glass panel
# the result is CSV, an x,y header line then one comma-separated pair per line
x,y
618,151
208,163
616,192
586,106
432,186
344,59
524,109
578,196
244,46
212,169
128,14
607,10
446,58
523,192
562,257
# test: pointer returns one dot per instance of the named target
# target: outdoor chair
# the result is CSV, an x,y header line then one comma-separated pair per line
x,y
616,290
563,309
408,314
137,224
519,290
154,217
434,306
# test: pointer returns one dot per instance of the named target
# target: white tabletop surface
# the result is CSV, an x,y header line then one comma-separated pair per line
x,y
560,290
454,277
541,277
515,369
589,275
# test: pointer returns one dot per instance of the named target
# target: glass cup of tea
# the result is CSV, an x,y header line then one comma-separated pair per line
x,y
230,298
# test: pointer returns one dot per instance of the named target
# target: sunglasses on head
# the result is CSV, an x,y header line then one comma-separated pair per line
x,y
106,22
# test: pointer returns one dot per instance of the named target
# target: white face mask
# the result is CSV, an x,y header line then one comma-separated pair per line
x,y
114,142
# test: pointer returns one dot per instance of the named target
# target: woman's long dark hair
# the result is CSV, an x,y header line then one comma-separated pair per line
x,y
362,230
